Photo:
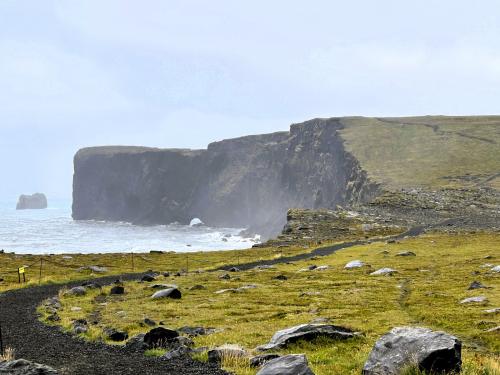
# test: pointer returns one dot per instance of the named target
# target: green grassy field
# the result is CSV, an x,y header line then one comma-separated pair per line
x,y
430,151
60,268
426,291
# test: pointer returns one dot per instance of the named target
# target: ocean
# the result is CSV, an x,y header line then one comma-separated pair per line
x,y
53,231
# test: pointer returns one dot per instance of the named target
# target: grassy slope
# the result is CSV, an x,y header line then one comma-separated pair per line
x,y
57,269
420,151
425,292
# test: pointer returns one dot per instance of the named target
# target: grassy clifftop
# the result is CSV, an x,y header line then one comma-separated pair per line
x,y
428,152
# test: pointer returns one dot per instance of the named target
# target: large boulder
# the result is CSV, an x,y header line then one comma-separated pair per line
x,y
406,346
293,364
160,337
24,367
306,332
216,355
36,201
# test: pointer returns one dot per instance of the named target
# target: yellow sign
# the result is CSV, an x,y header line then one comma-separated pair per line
x,y
21,270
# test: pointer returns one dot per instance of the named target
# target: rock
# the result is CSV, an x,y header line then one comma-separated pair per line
x,y
178,352
233,351
24,367
225,276
91,285
198,287
495,269
476,285
305,294
403,346
53,302
406,254
173,293
159,337
149,322
322,268
292,364
494,329
234,269
196,331
98,269
312,267
148,278
264,267
166,274
117,289
230,290
280,277
76,291
479,299
259,360
307,332
75,309
115,335
36,201
354,264
163,286
80,326
493,311
54,317
136,343
384,272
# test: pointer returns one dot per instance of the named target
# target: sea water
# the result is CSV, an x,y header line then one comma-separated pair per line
x,y
54,231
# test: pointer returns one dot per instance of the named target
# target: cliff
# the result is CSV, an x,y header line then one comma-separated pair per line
x,y
245,182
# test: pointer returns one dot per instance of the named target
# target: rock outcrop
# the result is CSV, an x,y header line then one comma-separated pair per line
x,y
244,182
24,367
292,364
435,352
37,201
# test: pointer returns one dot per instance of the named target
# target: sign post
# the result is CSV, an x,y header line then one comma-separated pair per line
x,y
21,271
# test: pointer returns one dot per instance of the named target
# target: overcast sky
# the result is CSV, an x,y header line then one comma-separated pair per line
x,y
183,73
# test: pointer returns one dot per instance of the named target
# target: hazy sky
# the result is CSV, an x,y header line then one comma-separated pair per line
x,y
185,73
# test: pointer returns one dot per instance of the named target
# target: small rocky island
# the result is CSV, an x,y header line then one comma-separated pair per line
x,y
36,201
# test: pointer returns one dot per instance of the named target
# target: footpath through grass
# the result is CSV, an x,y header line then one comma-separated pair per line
x,y
426,291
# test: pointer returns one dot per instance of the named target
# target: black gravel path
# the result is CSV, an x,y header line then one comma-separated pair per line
x,y
35,341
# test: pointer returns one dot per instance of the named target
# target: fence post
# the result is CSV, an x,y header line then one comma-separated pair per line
x,y
40,275
18,276
1,340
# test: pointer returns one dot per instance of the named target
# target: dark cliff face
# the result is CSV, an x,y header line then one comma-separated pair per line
x,y
245,182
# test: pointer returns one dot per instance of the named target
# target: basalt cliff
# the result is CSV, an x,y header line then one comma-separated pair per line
x,y
247,182
251,182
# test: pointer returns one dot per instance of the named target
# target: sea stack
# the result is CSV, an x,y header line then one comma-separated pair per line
x,y
36,201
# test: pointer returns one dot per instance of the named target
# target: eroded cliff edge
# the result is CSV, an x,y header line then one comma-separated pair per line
x,y
244,182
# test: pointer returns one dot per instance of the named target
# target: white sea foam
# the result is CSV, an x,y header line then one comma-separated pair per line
x,y
53,231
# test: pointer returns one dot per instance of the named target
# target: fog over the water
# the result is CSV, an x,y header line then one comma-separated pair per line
x,y
184,73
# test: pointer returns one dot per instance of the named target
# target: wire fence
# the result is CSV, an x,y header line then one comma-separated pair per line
x,y
45,266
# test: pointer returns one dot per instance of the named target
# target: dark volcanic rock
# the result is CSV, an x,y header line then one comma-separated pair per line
x,y
476,285
259,360
115,335
196,331
173,293
24,367
306,332
148,278
117,289
160,337
261,176
32,202
292,364
435,352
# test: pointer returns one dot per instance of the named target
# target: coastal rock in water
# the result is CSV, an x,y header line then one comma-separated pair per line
x,y
307,332
24,367
196,223
233,351
36,201
173,293
292,364
435,352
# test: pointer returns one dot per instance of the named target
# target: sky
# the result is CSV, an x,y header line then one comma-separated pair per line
x,y
184,73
